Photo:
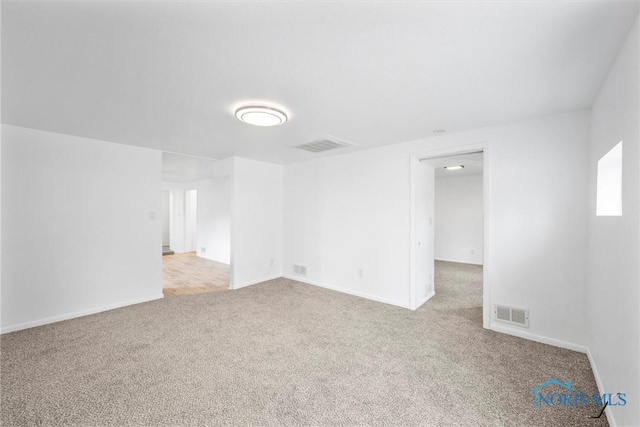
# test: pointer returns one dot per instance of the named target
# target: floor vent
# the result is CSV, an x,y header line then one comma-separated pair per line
x,y
325,144
300,269
512,315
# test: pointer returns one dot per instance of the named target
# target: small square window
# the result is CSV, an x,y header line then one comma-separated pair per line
x,y
609,190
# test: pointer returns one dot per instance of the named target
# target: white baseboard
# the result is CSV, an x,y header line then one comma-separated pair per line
x,y
538,338
75,314
205,256
348,291
458,261
608,410
254,282
425,299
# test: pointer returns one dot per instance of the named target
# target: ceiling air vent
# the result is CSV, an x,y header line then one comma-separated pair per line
x,y
325,144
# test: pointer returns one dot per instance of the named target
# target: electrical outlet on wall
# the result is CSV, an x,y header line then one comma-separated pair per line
x,y
360,272
271,262
203,249
473,252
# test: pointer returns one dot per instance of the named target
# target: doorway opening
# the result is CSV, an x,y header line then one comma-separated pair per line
x,y
167,212
449,228
197,222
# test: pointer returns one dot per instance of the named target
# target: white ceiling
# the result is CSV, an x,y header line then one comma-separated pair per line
x,y
179,168
167,75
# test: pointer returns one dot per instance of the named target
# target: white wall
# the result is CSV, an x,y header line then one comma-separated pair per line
x,y
166,217
256,227
214,219
351,212
178,215
423,226
191,220
354,210
613,273
459,222
81,226
0,179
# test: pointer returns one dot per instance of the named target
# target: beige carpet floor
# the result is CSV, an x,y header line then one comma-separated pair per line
x,y
286,353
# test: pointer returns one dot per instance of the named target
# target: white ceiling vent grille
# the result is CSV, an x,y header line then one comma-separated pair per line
x,y
325,144
512,315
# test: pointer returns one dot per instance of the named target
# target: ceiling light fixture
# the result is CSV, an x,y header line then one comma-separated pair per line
x,y
454,167
439,130
261,115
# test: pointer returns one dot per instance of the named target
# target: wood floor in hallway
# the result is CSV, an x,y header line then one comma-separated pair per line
x,y
188,274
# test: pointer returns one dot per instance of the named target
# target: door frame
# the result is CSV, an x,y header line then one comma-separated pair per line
x,y
415,159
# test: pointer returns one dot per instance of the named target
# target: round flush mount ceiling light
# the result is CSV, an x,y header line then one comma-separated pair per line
x,y
261,115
